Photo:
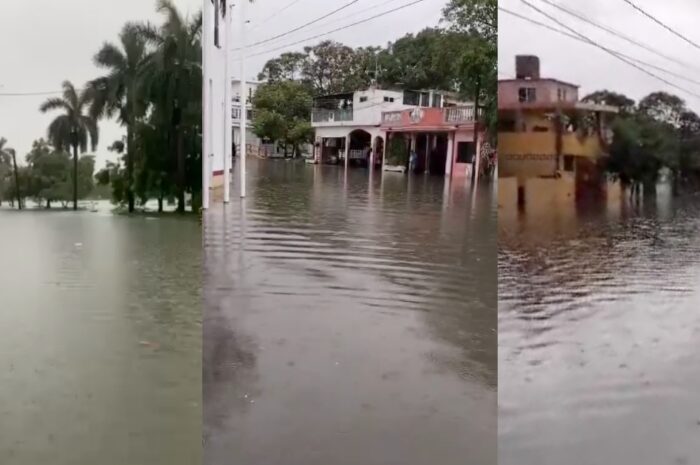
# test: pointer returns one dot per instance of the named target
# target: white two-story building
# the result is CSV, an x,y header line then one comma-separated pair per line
x,y
214,18
348,127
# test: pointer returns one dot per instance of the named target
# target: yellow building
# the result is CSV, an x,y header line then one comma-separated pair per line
x,y
550,144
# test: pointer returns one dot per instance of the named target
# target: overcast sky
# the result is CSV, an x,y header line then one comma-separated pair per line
x,y
592,68
43,42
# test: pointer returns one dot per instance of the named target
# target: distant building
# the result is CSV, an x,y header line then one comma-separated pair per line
x,y
353,128
546,132
251,138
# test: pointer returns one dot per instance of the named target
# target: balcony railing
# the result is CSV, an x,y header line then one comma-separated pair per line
x,y
236,114
457,115
391,116
320,115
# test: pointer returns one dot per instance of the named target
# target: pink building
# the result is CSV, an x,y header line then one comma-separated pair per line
x,y
443,138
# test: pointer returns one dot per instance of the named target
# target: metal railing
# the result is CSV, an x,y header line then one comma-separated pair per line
x,y
320,115
459,114
391,116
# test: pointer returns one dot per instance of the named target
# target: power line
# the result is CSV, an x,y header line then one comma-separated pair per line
x,y
275,14
30,94
662,24
618,34
611,52
270,39
336,30
575,37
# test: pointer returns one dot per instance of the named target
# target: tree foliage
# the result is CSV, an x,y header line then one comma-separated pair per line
x,y
657,132
282,114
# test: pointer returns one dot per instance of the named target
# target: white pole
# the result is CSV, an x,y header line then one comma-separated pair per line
x,y
244,100
205,100
228,123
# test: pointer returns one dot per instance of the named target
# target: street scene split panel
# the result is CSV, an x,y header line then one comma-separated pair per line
x,y
598,220
349,232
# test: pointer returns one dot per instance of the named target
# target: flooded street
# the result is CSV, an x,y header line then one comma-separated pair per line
x,y
350,319
599,331
100,339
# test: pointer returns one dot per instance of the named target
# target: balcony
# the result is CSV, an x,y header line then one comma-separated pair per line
x,y
436,118
320,115
391,117
459,115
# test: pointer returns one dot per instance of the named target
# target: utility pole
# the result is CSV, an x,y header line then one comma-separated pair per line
x,y
243,151
228,120
206,97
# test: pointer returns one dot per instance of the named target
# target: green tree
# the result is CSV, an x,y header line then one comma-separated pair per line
x,y
120,91
283,111
625,105
74,128
173,77
7,154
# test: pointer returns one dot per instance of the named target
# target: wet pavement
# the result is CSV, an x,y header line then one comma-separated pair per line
x,y
350,319
100,339
599,330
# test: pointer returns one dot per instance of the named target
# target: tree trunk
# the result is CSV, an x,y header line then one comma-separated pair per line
x,y
14,165
130,166
180,171
75,177
48,204
160,203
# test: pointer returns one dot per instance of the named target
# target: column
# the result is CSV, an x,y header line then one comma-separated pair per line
x,y
428,146
450,150
347,151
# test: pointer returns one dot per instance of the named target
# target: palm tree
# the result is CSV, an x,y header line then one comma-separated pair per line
x,y
73,129
173,74
120,90
5,154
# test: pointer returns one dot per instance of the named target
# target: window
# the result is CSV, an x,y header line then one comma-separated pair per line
x,y
569,163
388,99
363,99
437,101
540,129
425,99
527,94
411,98
559,94
465,152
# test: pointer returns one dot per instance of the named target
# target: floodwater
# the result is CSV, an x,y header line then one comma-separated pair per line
x,y
350,320
100,339
599,331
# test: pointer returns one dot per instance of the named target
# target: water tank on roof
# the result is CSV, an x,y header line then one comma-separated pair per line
x,y
527,67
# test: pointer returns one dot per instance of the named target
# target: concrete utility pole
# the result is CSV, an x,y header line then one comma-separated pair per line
x,y
206,171
244,100
228,120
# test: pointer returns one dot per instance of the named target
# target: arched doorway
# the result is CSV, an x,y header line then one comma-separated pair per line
x,y
360,147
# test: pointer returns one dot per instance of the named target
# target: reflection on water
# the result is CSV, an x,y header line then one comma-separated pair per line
x,y
599,332
350,319
100,339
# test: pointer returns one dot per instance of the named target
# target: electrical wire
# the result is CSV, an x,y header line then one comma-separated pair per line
x,y
662,24
298,28
615,33
611,52
275,14
264,52
575,37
